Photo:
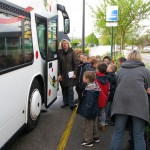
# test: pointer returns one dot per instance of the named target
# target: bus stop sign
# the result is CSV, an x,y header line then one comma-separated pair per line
x,y
112,13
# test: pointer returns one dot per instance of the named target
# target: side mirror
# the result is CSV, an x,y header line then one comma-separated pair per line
x,y
66,25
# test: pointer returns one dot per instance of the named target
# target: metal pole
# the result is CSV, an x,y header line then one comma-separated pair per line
x,y
112,35
83,26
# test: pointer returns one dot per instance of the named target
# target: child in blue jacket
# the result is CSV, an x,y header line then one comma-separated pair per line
x,y
88,108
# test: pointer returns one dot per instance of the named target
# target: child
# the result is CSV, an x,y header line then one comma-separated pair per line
x,y
121,60
107,60
91,58
94,64
88,109
84,67
111,76
79,69
102,99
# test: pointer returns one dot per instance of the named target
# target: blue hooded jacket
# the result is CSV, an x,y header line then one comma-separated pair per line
x,y
88,107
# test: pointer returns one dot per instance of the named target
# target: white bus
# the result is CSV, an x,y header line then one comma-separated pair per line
x,y
28,61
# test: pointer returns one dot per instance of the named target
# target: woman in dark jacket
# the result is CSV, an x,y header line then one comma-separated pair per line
x,y
131,100
67,63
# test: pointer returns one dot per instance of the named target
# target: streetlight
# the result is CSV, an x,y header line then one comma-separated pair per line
x,y
73,33
83,26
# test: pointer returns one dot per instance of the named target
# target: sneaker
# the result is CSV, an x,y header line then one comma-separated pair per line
x,y
87,144
76,101
102,128
106,124
73,107
96,140
64,105
111,123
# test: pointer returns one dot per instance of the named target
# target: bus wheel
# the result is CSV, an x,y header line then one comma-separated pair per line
x,y
34,105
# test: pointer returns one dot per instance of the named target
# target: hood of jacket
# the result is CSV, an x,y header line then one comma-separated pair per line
x,y
111,77
101,78
132,64
62,51
93,87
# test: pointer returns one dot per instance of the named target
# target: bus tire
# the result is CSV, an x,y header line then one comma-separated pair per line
x,y
34,105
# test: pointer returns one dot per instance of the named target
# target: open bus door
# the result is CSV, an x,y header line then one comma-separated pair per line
x,y
51,61
51,54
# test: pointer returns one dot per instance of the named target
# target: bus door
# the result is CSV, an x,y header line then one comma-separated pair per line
x,y
51,61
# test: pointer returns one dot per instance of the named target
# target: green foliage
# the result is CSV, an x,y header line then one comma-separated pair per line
x,y
105,40
76,41
115,59
74,44
91,39
131,12
147,65
86,51
144,40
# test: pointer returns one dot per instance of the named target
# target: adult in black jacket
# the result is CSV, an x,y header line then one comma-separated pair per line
x,y
67,63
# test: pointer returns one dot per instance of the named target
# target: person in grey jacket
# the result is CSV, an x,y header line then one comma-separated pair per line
x,y
131,100
67,69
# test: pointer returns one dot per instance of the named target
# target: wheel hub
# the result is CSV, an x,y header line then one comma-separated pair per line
x,y
35,104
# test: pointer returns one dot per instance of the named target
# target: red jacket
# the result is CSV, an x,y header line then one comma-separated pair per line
x,y
104,86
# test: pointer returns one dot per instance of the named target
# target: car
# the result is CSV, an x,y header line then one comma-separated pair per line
x,y
147,49
128,48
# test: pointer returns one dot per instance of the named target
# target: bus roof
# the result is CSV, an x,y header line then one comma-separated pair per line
x,y
45,8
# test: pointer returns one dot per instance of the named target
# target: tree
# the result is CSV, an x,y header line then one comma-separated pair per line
x,y
144,40
75,42
91,39
131,12
105,39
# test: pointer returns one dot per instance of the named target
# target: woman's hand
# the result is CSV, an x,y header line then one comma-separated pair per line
x,y
60,78
148,90
74,76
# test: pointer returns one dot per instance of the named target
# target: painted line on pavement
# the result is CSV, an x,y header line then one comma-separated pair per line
x,y
66,134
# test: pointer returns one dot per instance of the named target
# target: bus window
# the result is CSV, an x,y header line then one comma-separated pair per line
x,y
15,42
41,33
52,42
27,50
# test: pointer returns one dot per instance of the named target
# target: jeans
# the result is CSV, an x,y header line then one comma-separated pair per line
x,y
108,111
102,118
68,96
119,130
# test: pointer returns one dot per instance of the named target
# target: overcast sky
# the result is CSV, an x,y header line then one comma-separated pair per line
x,y
75,10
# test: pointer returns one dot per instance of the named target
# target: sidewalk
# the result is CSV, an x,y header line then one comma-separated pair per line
x,y
76,136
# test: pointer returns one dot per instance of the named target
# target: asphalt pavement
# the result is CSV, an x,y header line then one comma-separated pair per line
x,y
52,127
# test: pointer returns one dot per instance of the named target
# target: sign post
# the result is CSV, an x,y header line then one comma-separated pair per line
x,y
111,21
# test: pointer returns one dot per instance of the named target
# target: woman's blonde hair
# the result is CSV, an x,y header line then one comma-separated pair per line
x,y
64,40
134,55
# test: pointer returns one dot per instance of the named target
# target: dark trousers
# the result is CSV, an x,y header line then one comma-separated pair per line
x,y
79,92
68,95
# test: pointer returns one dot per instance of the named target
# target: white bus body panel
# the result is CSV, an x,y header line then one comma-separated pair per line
x,y
13,101
52,81
15,85
39,7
